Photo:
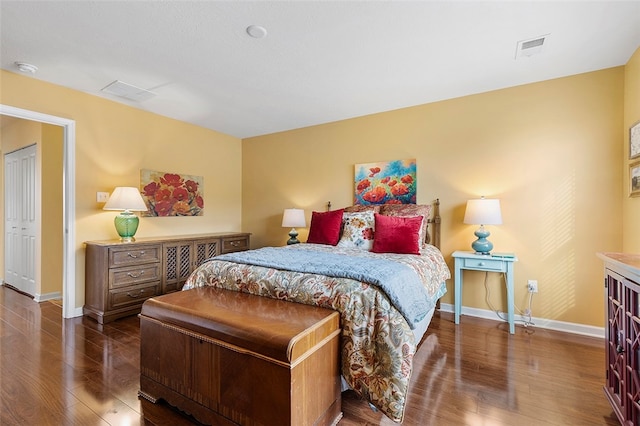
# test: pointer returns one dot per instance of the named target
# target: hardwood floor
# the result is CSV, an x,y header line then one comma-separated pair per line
x,y
77,372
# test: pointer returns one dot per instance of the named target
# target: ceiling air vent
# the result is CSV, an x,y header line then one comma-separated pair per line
x,y
531,46
128,91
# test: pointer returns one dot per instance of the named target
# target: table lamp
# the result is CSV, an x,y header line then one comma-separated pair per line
x,y
127,199
293,218
483,211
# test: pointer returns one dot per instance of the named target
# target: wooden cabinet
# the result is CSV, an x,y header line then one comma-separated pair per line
x,y
622,335
119,277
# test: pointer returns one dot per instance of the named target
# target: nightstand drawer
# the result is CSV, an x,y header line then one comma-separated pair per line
x,y
235,244
133,295
132,275
484,264
123,256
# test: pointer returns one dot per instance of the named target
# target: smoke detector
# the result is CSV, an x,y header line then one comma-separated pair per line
x,y
128,91
26,68
530,47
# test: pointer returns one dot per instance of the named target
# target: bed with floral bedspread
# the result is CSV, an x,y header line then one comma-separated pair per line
x,y
377,344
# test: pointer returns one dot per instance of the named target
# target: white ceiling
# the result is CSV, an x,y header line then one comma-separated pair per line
x,y
321,61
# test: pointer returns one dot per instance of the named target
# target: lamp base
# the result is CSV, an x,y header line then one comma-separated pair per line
x,y
482,245
292,237
126,226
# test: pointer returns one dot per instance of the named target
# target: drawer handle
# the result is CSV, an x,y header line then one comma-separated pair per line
x,y
132,275
481,264
133,256
135,296
235,243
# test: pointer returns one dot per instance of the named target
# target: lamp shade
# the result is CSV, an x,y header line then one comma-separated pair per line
x,y
483,211
293,218
125,198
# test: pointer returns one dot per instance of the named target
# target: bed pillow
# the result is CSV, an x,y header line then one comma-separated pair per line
x,y
325,227
357,230
397,234
403,210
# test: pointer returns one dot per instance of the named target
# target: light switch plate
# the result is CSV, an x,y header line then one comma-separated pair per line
x,y
102,197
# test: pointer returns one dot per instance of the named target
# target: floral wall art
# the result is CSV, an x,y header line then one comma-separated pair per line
x,y
392,182
171,194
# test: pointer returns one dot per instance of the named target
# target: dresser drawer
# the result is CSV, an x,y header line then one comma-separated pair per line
x,y
135,295
232,244
484,264
123,256
132,275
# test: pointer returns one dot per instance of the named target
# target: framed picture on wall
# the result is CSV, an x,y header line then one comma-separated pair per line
x,y
634,179
634,141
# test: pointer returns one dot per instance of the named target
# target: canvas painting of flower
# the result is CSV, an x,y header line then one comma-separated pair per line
x,y
171,194
392,182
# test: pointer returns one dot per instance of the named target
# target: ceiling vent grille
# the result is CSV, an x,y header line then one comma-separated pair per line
x,y
533,46
128,91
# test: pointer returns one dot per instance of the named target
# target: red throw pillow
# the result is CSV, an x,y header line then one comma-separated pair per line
x,y
325,227
397,234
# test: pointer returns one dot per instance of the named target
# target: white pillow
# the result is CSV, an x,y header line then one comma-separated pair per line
x,y
358,230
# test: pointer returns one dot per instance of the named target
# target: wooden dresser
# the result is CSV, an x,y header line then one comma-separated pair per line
x,y
119,277
622,335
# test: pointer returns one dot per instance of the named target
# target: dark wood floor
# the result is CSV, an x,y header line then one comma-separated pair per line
x,y
76,372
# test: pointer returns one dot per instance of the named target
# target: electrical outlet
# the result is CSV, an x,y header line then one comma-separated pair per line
x,y
532,286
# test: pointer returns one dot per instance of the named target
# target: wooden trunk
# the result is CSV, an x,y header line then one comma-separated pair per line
x,y
233,358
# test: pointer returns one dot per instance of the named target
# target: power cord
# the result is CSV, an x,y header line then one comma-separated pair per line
x,y
526,313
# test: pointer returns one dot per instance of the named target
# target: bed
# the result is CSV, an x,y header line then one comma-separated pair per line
x,y
386,293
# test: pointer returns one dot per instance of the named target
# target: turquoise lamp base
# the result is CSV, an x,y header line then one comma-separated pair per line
x,y
482,245
292,237
126,226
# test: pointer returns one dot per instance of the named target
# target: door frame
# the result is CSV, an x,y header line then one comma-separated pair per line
x,y
69,309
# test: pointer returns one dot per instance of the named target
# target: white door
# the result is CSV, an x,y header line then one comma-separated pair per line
x,y
20,219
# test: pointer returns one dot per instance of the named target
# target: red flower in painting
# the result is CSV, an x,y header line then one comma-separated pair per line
x,y
363,184
162,194
407,179
191,186
385,179
376,195
393,182
163,208
171,179
399,189
199,201
180,194
150,189
374,171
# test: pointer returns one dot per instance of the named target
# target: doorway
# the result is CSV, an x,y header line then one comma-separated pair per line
x,y
69,309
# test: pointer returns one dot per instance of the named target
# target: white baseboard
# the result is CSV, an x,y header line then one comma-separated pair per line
x,y
569,327
47,296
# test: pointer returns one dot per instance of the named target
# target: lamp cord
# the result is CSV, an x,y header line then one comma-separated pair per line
x,y
526,313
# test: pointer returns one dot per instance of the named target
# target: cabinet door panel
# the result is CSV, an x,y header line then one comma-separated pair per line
x,y
177,264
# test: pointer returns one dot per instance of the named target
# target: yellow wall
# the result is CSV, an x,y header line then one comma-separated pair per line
x,y
51,236
114,141
549,151
631,206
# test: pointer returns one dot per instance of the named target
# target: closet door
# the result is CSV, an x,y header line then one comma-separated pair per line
x,y
20,219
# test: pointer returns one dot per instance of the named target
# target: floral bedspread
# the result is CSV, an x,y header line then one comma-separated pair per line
x,y
377,343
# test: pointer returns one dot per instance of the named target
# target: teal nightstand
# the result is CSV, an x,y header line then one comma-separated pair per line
x,y
475,262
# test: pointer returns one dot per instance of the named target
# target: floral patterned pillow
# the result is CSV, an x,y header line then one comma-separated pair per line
x,y
358,229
